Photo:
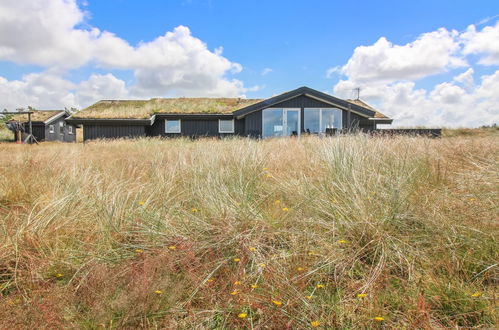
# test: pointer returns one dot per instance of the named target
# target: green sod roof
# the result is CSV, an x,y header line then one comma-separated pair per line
x,y
143,109
37,115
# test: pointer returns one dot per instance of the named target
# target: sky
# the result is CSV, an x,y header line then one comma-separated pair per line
x,y
423,63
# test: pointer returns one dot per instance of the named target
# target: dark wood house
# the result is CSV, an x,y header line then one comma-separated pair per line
x,y
48,125
301,111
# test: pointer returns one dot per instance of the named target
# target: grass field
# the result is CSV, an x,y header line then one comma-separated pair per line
x,y
347,232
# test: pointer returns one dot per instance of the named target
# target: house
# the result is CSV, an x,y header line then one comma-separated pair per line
x,y
301,111
48,125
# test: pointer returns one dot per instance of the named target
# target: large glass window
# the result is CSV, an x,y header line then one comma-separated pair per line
x,y
272,122
312,120
281,122
318,120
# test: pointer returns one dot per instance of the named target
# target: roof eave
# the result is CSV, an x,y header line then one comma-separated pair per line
x,y
112,121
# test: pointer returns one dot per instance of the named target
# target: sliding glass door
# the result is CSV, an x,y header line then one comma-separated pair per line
x,y
280,122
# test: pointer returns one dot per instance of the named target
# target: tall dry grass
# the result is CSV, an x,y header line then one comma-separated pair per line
x,y
250,234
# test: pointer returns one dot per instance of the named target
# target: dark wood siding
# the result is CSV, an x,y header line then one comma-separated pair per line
x,y
194,126
57,135
302,101
91,132
253,124
38,131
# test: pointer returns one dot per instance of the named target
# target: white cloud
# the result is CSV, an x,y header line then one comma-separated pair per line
x,y
41,90
266,71
484,43
446,105
429,54
387,75
48,33
466,78
48,91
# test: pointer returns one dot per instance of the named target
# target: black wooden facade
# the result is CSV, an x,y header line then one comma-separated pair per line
x,y
247,121
53,129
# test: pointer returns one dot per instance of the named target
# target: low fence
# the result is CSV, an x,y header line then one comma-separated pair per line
x,y
427,132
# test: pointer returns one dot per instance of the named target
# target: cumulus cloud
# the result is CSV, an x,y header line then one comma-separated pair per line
x,y
49,33
388,73
484,43
430,53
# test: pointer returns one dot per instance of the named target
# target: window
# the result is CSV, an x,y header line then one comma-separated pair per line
x,y
51,128
172,126
70,129
318,120
226,126
281,122
61,127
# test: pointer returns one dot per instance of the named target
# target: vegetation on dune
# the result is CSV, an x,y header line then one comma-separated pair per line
x,y
349,232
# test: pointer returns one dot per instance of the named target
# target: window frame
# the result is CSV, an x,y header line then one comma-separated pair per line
x,y
179,126
51,129
226,132
70,129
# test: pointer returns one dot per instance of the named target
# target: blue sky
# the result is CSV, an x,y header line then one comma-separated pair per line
x,y
56,53
299,40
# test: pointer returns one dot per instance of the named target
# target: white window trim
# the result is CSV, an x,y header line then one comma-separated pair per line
x,y
320,116
70,129
219,128
51,129
179,126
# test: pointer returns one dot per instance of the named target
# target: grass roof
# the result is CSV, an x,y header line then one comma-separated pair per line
x,y
367,106
143,109
37,115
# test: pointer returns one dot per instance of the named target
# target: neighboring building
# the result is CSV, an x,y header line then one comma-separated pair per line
x,y
48,125
301,111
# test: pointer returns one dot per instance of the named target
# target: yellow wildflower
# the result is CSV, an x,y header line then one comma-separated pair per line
x,y
252,249
194,210
277,302
262,265
315,324
277,202
234,292
476,294
285,209
236,259
158,292
311,253
300,269
319,286
254,286
172,247
141,203
269,176
343,241
379,319
59,275
308,297
139,250
242,315
361,295
237,283
210,280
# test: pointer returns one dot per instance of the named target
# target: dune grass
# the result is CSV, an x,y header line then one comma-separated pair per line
x,y
349,232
